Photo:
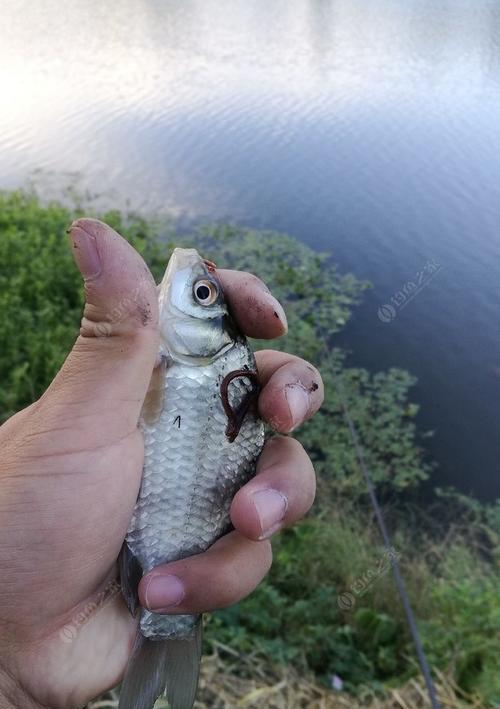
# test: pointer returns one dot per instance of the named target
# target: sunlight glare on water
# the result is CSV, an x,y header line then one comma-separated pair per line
x,y
368,129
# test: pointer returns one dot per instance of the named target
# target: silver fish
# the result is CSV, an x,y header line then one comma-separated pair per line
x,y
202,437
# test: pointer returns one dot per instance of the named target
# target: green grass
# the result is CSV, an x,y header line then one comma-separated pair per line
x,y
294,617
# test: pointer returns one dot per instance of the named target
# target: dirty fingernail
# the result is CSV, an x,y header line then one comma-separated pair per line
x,y
85,252
271,507
298,403
164,592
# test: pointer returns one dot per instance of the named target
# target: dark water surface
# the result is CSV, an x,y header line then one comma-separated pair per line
x,y
370,129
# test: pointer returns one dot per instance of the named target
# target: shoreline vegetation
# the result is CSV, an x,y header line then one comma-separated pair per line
x,y
326,628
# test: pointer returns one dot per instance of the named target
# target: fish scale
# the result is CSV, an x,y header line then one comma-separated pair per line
x,y
191,471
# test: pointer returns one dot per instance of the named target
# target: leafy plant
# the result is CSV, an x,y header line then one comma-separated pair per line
x,y
295,615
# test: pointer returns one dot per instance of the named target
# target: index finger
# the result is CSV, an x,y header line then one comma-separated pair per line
x,y
252,304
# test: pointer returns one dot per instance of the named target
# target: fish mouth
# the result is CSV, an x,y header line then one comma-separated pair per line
x,y
179,260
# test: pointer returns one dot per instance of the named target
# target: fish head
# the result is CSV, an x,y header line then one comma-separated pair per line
x,y
195,325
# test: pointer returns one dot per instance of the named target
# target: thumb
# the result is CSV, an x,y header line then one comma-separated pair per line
x,y
105,377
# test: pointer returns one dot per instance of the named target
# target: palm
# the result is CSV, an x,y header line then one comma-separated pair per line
x,y
79,620
80,443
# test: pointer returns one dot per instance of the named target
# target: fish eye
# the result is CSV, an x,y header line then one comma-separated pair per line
x,y
205,292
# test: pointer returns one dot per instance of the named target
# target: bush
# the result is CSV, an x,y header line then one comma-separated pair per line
x,y
295,616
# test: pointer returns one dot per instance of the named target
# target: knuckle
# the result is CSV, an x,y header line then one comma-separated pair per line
x,y
229,589
239,577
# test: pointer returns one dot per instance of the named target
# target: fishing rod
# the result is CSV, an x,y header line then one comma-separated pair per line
x,y
400,584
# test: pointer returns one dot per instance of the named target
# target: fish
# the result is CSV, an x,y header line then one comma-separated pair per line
x,y
202,438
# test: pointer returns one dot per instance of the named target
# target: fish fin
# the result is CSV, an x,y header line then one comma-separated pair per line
x,y
155,664
153,402
145,676
130,575
183,669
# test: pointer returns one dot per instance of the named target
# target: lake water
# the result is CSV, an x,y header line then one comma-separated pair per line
x,y
370,129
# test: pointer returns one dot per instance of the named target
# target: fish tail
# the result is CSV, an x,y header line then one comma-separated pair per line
x,y
183,669
156,665
145,677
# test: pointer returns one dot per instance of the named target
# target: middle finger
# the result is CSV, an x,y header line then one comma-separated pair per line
x,y
281,492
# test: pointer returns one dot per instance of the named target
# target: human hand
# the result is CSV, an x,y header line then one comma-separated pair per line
x,y
70,473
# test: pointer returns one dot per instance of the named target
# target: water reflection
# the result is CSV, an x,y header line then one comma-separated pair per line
x,y
366,128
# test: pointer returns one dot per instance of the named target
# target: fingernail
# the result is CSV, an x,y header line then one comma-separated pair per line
x,y
164,592
279,313
85,252
298,402
271,507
